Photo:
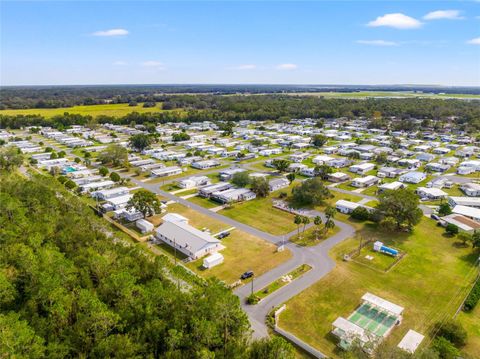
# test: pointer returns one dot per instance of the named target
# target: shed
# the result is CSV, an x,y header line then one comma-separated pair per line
x,y
213,260
144,226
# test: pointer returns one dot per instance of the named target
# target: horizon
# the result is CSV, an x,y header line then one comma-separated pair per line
x,y
434,43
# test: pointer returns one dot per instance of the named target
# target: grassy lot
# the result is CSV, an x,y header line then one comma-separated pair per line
x,y
280,282
426,282
310,238
204,202
471,322
260,214
116,110
386,94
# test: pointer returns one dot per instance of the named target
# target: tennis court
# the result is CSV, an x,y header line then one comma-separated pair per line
x,y
372,319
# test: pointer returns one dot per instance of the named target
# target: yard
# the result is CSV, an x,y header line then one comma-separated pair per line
x,y
243,251
427,282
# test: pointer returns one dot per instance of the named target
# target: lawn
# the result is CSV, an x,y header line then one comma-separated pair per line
x,y
471,322
283,281
204,202
260,214
310,238
426,282
243,251
116,110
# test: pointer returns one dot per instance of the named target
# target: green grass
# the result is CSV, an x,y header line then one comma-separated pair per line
x,y
386,94
426,282
310,238
471,322
204,202
116,110
279,283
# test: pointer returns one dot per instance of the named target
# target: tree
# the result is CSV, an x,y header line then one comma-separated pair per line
x,y
444,209
323,171
305,222
310,192
115,177
451,229
381,158
317,221
475,239
388,224
70,184
464,237
145,202
291,177
103,171
274,348
260,186
445,349
453,331
319,140
330,213
140,142
180,136
360,213
114,154
298,221
241,179
402,205
10,158
281,165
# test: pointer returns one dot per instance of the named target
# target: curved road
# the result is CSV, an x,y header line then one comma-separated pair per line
x,y
315,256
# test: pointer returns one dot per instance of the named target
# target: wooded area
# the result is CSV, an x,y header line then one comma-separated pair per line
x,y
70,288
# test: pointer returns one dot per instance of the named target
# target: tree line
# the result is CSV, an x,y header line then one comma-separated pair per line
x,y
70,288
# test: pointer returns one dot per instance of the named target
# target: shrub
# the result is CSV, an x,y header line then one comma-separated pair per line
x,y
453,332
472,298
360,213
253,299
445,349
103,171
451,229
70,184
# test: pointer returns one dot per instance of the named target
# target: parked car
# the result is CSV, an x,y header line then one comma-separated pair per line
x,y
435,217
223,235
247,275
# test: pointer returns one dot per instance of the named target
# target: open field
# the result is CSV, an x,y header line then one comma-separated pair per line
x,y
116,110
429,282
471,322
384,94
243,251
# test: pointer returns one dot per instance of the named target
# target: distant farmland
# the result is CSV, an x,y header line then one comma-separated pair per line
x,y
116,110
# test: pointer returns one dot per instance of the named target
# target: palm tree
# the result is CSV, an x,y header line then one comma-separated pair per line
x,y
305,221
317,221
330,213
297,220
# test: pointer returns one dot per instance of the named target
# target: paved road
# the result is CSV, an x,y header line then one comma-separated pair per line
x,y
315,256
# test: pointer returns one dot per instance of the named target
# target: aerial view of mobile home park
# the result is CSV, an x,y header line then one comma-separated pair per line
x,y
251,180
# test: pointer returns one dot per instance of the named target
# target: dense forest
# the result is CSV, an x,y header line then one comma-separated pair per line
x,y
70,288
65,96
270,107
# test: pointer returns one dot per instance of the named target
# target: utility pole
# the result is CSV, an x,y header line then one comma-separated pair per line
x,y
253,276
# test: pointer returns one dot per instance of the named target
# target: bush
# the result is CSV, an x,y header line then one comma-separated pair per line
x,y
360,213
115,177
253,299
444,209
103,171
70,184
445,349
451,229
473,298
453,332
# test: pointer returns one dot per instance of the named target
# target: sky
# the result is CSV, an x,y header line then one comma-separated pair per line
x,y
240,42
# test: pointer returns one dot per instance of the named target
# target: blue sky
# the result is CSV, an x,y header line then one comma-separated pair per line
x,y
313,42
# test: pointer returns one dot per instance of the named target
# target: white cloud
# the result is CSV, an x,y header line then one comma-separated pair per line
x,y
377,42
245,67
111,32
475,41
119,63
286,67
153,64
396,20
444,14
